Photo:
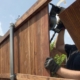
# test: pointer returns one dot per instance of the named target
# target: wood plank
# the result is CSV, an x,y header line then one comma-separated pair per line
x,y
39,42
7,58
35,48
7,76
29,48
16,53
45,50
25,46
2,59
36,77
20,49
71,19
32,36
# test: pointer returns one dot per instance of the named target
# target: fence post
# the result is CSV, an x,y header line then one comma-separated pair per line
x,y
11,52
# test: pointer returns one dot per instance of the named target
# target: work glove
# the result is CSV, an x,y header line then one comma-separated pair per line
x,y
51,65
59,27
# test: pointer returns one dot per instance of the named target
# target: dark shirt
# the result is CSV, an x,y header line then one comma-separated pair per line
x,y
73,55
70,49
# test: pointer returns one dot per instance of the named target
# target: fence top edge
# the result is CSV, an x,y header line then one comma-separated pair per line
x,y
31,12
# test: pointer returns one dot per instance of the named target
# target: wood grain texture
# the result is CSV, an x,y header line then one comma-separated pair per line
x,y
34,77
31,47
71,19
4,60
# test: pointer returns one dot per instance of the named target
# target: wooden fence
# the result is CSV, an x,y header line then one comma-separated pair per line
x,y
31,42
31,45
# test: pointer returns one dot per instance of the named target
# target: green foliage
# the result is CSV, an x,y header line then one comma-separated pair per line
x,y
52,46
59,58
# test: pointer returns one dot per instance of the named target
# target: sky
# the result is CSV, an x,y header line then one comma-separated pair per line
x,y
10,10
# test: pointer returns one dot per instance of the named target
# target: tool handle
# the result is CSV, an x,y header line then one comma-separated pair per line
x,y
52,37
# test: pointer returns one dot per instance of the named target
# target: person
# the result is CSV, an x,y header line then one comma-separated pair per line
x,y
72,70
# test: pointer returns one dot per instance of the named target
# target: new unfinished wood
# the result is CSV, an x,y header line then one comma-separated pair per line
x,y
71,19
36,77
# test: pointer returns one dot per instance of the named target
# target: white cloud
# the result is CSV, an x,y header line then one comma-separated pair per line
x,y
1,32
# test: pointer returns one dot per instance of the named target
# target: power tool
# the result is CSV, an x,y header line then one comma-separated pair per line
x,y
55,25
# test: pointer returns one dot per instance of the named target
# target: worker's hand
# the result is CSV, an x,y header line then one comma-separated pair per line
x,y
60,27
51,65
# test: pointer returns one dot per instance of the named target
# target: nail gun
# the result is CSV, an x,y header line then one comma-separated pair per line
x,y
55,25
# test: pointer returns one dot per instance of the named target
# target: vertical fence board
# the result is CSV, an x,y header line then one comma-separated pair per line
x,y
35,46
4,58
71,19
45,39
16,52
38,34
32,36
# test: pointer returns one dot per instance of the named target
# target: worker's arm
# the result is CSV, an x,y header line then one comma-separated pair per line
x,y
51,65
66,73
60,46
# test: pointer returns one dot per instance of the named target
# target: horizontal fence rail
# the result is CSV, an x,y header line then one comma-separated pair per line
x,y
34,77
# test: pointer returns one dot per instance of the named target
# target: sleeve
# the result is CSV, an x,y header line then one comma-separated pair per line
x,y
69,49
